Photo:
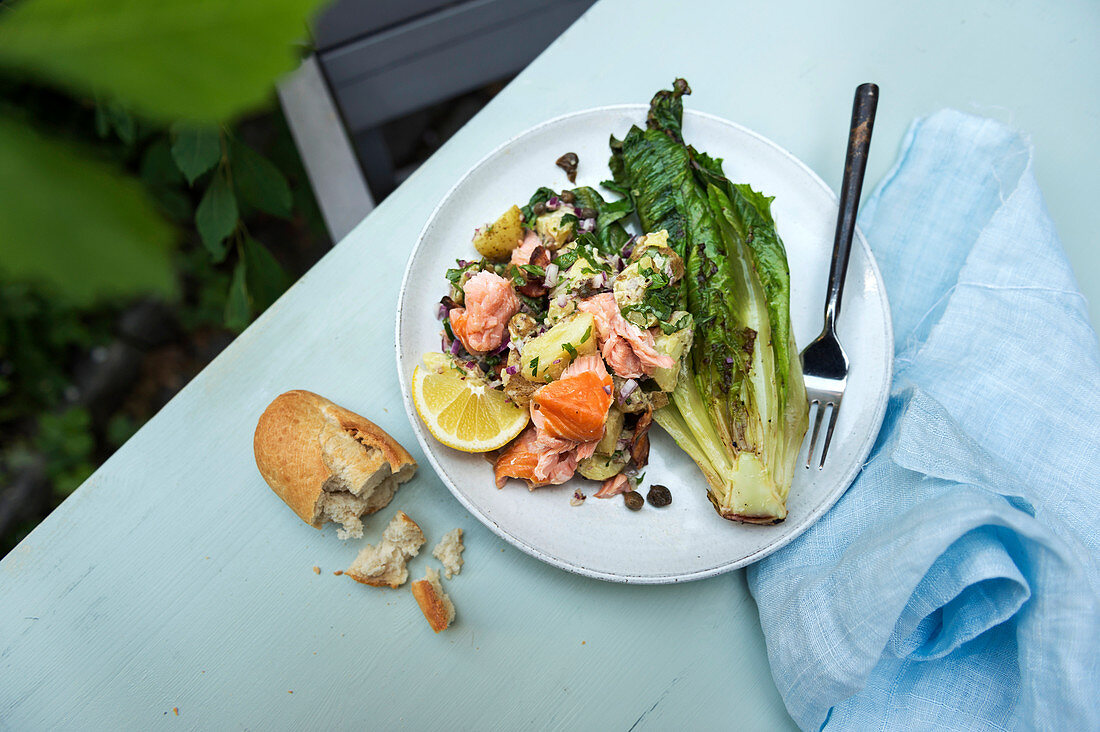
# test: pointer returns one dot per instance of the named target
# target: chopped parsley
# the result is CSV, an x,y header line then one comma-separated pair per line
x,y
569,349
587,333
566,259
534,365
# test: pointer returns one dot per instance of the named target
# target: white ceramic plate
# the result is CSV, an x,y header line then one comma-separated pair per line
x,y
686,540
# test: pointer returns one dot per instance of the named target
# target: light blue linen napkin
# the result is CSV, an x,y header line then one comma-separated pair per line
x,y
957,582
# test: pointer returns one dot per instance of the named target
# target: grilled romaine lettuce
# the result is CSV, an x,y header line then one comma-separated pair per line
x,y
739,407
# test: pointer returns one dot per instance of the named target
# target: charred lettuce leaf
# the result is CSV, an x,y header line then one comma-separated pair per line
x,y
739,407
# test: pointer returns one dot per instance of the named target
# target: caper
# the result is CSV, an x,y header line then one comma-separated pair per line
x,y
587,213
659,496
633,500
540,208
567,196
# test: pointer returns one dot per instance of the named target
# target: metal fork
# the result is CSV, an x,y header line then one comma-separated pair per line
x,y
824,363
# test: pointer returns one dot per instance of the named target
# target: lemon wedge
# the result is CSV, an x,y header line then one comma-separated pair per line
x,y
463,413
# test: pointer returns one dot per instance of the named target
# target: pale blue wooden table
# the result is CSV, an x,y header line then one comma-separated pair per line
x,y
174,580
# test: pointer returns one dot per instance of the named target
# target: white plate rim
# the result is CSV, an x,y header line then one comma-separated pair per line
x,y
829,499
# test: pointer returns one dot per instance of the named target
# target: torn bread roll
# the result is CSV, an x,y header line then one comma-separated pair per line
x,y
449,552
433,601
328,463
385,564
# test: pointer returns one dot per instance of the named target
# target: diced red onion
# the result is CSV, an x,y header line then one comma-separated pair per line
x,y
511,370
607,390
456,347
553,204
502,347
729,359
599,280
442,313
628,388
471,364
552,271
586,225
562,300
628,248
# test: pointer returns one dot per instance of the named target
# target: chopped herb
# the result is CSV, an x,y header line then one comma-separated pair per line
x,y
447,328
569,349
534,365
566,260
587,333
537,305
515,275
533,269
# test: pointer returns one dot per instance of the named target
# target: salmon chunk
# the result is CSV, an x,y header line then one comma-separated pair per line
x,y
628,349
490,304
540,460
575,406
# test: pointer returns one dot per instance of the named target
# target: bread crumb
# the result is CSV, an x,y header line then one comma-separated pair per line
x,y
316,569
288,691
338,572
449,552
385,564
176,711
433,601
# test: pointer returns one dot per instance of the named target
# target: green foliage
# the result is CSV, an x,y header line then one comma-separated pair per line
x,y
258,180
74,223
216,216
167,59
38,336
195,149
265,277
66,438
237,308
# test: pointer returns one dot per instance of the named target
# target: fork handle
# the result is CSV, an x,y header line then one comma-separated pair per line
x,y
855,165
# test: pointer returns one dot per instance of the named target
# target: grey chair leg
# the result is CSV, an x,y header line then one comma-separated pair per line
x,y
327,154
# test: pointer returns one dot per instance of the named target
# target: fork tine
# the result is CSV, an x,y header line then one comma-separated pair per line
x,y
817,428
835,407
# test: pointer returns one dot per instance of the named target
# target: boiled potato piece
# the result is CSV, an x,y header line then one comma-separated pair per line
x,y
674,345
497,240
552,230
600,467
612,430
544,357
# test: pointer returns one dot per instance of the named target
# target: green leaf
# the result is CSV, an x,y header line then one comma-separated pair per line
x,y
122,122
266,278
258,180
75,224
195,149
168,59
238,312
158,168
216,216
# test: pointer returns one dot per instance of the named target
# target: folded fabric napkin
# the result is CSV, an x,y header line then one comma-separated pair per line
x,y
956,584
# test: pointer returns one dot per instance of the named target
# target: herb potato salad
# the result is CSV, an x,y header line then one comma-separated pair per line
x,y
569,337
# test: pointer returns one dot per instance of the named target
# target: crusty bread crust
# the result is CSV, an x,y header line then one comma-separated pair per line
x,y
290,448
431,603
